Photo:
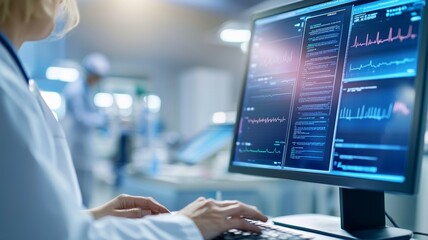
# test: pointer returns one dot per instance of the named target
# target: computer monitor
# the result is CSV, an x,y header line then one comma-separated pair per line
x,y
205,144
334,93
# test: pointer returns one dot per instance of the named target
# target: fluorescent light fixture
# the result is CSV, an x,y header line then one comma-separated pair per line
x,y
223,117
52,99
235,35
62,74
103,100
153,103
219,117
123,100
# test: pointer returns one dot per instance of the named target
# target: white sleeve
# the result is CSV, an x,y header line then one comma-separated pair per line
x,y
153,227
35,200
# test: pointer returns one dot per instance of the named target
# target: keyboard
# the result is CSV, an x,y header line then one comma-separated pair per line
x,y
269,231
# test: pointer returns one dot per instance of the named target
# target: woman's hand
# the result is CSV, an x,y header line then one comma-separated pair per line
x,y
129,207
214,217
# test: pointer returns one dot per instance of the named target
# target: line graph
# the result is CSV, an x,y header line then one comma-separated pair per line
x,y
264,151
273,95
277,59
381,64
391,38
266,120
374,113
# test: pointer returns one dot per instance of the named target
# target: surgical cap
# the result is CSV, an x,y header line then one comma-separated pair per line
x,y
96,63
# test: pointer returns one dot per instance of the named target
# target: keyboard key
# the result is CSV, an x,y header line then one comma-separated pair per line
x,y
269,231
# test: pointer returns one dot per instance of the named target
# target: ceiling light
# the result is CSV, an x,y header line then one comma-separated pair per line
x,y
235,35
62,74
153,103
123,100
104,100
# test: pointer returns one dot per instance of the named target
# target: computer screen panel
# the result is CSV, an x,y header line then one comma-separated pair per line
x,y
205,144
334,93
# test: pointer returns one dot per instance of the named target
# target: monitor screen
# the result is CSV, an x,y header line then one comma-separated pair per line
x,y
334,94
205,144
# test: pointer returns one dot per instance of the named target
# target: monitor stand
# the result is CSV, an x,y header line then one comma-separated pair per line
x,y
362,217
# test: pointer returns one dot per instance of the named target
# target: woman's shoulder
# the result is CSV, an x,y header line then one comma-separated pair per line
x,y
10,76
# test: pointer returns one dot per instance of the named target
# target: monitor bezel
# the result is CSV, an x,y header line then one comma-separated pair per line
x,y
416,135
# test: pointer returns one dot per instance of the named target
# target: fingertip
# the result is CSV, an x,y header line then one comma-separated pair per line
x,y
252,228
262,218
265,218
257,230
163,211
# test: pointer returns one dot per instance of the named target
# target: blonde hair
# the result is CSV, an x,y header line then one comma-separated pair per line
x,y
70,13
67,12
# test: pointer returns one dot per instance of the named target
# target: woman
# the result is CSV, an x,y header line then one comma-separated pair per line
x,y
39,194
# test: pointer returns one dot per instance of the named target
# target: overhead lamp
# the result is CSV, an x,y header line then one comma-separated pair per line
x,y
153,103
103,100
219,117
123,100
223,117
62,74
235,35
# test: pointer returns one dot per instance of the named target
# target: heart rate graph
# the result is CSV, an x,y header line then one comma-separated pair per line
x,y
258,150
381,64
273,55
374,113
270,96
384,47
386,67
277,59
265,120
398,36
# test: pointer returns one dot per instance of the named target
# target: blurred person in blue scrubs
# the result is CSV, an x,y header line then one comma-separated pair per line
x,y
82,119
40,198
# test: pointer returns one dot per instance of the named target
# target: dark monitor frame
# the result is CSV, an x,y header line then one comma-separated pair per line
x,y
417,129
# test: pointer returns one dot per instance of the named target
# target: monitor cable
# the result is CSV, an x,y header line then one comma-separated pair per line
x,y
396,225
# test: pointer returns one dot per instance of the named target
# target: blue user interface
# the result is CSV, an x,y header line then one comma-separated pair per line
x,y
330,90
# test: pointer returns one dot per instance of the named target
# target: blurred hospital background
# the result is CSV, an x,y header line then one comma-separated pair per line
x,y
170,96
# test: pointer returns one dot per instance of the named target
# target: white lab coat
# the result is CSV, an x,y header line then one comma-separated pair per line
x,y
39,195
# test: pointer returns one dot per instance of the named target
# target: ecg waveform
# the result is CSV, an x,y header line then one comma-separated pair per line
x,y
374,113
389,39
266,120
273,95
265,151
285,57
381,64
